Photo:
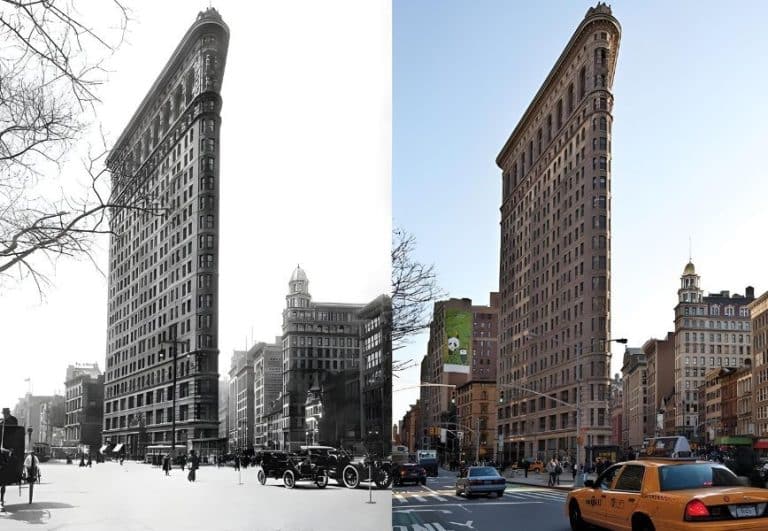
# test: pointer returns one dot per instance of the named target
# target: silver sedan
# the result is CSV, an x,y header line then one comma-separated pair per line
x,y
480,480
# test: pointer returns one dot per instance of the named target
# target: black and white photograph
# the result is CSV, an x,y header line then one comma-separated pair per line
x,y
195,265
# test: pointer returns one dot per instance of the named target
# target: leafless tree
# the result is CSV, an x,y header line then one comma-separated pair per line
x,y
51,63
414,290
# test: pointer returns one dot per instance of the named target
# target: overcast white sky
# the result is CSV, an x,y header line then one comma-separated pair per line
x,y
305,177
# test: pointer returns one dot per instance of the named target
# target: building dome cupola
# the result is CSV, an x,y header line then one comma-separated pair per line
x,y
298,289
690,290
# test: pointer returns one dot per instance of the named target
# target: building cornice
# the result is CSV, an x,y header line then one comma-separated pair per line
x,y
593,15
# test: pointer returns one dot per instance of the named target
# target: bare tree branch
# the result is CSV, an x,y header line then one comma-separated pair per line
x,y
51,62
414,291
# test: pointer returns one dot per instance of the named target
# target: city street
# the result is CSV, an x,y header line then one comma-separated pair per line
x,y
139,497
435,507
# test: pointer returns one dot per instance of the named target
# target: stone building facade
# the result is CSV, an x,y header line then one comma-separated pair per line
x,y
163,262
320,342
759,324
84,409
636,410
267,384
711,332
555,265
241,429
660,364
376,374
476,419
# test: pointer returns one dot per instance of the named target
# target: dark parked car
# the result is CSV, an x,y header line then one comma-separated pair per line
x,y
480,480
410,473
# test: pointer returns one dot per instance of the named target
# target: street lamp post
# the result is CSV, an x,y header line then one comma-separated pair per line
x,y
175,348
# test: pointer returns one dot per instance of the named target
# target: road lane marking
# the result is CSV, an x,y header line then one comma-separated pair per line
x,y
465,505
435,494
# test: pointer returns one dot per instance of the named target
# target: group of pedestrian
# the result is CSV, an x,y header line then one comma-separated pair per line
x,y
194,464
555,468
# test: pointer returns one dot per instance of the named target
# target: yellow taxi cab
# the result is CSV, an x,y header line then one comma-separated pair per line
x,y
667,490
536,466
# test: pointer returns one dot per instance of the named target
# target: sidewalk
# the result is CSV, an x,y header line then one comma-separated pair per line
x,y
540,479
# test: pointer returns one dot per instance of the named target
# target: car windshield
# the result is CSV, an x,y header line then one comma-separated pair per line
x,y
483,471
696,476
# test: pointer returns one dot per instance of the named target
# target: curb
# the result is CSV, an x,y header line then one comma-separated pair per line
x,y
557,487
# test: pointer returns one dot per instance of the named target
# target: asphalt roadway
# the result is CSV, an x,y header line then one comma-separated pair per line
x,y
435,507
136,496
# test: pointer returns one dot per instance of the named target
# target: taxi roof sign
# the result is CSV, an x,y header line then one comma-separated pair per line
x,y
675,447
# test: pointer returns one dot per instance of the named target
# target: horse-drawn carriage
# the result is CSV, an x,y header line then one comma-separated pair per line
x,y
13,469
290,468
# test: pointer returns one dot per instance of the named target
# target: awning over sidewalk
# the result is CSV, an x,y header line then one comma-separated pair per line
x,y
761,444
103,448
117,448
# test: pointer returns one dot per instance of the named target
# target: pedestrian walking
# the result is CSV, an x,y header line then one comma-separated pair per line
x,y
167,464
551,467
89,460
558,471
194,463
573,471
237,462
183,461
526,465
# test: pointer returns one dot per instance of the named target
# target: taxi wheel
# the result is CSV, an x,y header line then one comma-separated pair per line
x,y
574,516
641,522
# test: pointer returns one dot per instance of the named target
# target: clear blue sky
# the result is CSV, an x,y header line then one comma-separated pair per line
x,y
689,138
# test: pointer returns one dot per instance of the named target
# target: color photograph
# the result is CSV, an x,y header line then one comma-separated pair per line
x,y
583,179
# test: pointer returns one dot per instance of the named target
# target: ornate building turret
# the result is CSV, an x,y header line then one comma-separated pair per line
x,y
690,288
298,290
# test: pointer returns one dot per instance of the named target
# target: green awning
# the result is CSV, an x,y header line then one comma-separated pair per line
x,y
734,441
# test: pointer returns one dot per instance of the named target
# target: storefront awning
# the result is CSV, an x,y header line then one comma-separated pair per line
x,y
103,448
733,441
117,448
761,444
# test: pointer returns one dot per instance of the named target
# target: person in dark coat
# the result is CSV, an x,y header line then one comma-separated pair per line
x,y
237,462
89,461
526,465
167,464
8,419
194,464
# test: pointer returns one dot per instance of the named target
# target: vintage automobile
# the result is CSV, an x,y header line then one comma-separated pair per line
x,y
366,469
476,480
291,468
330,458
660,492
409,473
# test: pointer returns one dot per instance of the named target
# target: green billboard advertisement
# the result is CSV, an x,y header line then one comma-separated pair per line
x,y
458,340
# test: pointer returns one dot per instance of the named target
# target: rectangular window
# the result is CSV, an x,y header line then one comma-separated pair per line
x,y
206,222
